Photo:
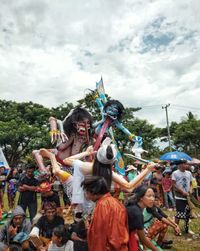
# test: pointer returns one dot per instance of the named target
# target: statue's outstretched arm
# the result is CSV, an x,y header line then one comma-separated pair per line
x,y
57,130
132,137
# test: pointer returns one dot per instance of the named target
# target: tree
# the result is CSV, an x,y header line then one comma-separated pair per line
x,y
23,127
187,135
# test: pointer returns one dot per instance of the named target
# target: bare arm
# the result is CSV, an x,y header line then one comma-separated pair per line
x,y
178,188
129,186
86,167
145,241
171,223
88,152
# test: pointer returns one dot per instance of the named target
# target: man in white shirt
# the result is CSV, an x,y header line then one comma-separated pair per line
x,y
182,180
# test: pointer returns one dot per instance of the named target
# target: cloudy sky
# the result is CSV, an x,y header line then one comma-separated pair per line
x,y
147,51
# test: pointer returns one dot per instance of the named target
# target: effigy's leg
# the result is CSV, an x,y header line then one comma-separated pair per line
x,y
39,160
65,177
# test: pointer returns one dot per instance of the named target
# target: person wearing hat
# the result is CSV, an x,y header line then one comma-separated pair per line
x,y
17,226
182,181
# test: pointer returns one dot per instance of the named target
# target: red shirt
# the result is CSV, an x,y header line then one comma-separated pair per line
x,y
166,184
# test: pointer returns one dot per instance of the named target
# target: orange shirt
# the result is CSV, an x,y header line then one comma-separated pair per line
x,y
108,230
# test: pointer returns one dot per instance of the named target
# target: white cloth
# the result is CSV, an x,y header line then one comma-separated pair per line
x,y
78,196
78,177
34,232
69,246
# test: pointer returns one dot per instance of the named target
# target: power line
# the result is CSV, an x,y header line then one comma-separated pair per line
x,y
188,107
172,105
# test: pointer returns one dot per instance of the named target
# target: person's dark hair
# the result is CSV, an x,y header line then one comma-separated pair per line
x,y
119,105
10,174
61,231
96,185
104,170
153,181
139,192
158,167
157,197
30,166
78,114
48,205
81,229
15,247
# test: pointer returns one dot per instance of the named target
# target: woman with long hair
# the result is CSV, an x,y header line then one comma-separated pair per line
x,y
143,197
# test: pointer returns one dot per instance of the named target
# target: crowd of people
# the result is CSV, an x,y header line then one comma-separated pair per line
x,y
99,218
79,199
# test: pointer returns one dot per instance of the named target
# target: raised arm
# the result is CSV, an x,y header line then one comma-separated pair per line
x,y
86,166
130,135
57,130
129,186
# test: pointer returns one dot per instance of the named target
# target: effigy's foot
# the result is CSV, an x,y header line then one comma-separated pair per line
x,y
49,155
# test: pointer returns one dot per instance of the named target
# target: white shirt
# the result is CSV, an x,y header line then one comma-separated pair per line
x,y
69,246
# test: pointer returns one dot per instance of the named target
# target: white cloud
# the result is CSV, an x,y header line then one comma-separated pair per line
x,y
147,52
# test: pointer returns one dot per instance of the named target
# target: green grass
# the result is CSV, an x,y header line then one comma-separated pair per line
x,y
185,242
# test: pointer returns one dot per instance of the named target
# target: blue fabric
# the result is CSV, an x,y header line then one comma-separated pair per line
x,y
20,237
174,156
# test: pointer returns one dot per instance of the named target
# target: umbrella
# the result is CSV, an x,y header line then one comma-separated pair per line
x,y
174,156
194,161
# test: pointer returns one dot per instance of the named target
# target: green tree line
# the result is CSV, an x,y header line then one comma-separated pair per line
x,y
24,127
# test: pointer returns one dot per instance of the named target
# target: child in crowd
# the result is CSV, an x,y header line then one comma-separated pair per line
x,y
60,240
167,188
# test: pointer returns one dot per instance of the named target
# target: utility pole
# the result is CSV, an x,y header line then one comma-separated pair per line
x,y
168,131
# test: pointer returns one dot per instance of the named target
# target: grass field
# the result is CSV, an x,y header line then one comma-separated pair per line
x,y
181,243
186,242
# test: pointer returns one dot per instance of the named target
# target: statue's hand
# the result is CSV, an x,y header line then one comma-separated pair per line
x,y
56,135
63,137
138,139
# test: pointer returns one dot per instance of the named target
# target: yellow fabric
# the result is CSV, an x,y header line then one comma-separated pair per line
x,y
108,230
194,183
62,175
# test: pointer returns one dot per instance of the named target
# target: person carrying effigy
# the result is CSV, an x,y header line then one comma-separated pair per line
x,y
101,166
